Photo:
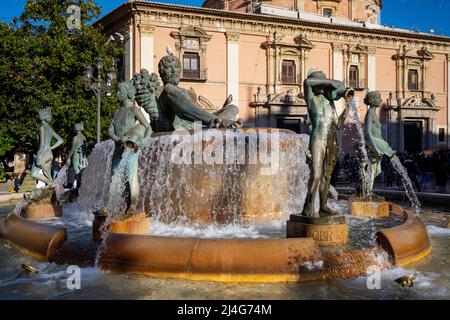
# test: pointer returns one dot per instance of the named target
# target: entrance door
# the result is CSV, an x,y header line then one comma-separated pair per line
x,y
413,131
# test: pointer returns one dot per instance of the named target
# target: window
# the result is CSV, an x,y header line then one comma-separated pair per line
x,y
413,79
327,12
288,72
353,77
441,135
191,64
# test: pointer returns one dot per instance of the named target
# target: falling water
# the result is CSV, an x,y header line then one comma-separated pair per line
x,y
93,193
117,204
19,207
407,183
224,191
365,169
59,183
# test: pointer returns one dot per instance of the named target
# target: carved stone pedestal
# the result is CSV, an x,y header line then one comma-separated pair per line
x,y
326,231
137,223
370,209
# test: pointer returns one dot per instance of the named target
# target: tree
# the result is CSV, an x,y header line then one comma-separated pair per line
x,y
41,65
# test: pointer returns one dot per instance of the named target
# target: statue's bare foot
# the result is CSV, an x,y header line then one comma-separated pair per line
x,y
327,211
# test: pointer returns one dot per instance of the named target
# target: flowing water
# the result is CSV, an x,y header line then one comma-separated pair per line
x,y
223,183
59,183
407,183
365,168
20,206
117,204
169,190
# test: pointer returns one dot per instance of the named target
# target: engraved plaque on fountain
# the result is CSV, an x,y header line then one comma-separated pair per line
x,y
19,162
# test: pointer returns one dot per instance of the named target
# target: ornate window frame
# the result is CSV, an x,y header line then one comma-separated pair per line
x,y
408,59
192,39
289,54
328,4
362,53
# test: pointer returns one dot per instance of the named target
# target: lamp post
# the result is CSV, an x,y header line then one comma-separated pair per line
x,y
99,86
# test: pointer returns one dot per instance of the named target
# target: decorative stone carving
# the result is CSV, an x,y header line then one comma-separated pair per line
x,y
192,39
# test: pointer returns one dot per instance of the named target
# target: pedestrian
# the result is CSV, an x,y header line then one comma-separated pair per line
x,y
16,184
411,168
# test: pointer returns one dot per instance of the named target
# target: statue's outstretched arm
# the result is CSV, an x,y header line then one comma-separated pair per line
x,y
185,108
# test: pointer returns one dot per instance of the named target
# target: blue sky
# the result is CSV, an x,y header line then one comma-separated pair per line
x,y
408,14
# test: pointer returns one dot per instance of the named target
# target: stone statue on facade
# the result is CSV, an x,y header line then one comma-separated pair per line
x,y
171,107
376,146
320,94
44,158
128,128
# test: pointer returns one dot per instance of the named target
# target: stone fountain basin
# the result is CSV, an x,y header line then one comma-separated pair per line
x,y
223,260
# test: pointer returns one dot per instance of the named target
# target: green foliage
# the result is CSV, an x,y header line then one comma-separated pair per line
x,y
41,65
2,175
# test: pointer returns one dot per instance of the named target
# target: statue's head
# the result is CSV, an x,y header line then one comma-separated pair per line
x,y
312,74
79,127
126,91
318,75
373,98
45,114
170,69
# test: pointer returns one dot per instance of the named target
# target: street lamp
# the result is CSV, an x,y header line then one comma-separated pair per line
x,y
99,86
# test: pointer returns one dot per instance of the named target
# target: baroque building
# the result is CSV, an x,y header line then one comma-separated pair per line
x,y
260,52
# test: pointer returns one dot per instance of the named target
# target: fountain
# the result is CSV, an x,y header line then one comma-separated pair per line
x,y
206,176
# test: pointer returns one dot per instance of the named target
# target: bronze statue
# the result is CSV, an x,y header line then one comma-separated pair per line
x,y
78,153
376,146
147,90
43,159
128,128
320,94
174,108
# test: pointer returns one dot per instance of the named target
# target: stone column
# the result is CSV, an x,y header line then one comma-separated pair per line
x,y
305,68
129,53
147,47
233,65
338,69
371,70
401,133
448,100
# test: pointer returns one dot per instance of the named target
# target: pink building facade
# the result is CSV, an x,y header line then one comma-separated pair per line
x,y
261,52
